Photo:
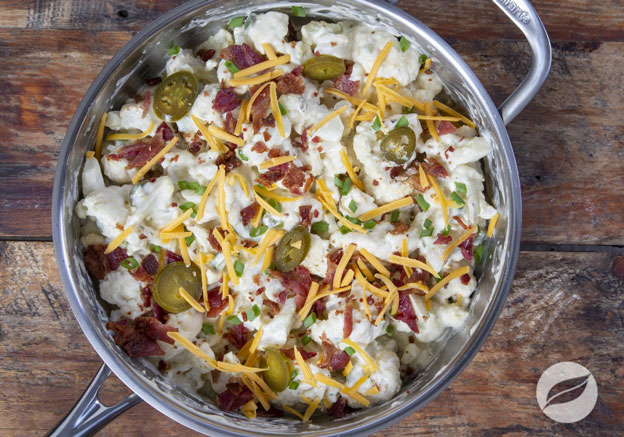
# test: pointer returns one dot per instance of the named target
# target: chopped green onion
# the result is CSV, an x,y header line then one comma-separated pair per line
x,y
239,268
344,230
395,216
155,248
293,385
319,227
305,340
446,230
370,224
258,231
242,156
422,59
457,198
390,330
402,122
194,214
130,263
353,206
230,66
189,240
234,320
349,350
187,205
407,110
200,190
422,202
346,186
293,374
376,124
337,181
461,188
309,321
299,11
404,43
280,225
281,108
427,232
236,22
173,50
208,329
427,223
478,254
253,312
353,220
275,204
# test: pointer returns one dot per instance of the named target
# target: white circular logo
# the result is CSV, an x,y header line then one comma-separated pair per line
x,y
567,392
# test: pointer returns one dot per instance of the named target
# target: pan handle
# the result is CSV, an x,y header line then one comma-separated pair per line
x,y
522,13
89,415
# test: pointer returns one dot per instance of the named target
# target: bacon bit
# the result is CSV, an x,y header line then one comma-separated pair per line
x,y
146,104
243,56
159,312
447,151
99,265
274,153
443,239
375,182
146,292
298,71
347,328
459,220
304,213
319,307
290,84
214,243
272,412
229,124
333,358
234,397
294,178
304,139
237,336
298,280
434,168
142,276
395,171
446,127
139,153
138,339
345,84
466,248
292,33
195,147
260,290
153,81
171,257
269,121
465,279
226,100
260,107
229,160
216,303
249,212
259,147
316,140
337,409
290,353
406,311
206,54
273,174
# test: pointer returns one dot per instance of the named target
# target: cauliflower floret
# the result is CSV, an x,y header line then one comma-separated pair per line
x,y
108,207
216,42
316,259
185,60
272,28
120,288
92,179
332,39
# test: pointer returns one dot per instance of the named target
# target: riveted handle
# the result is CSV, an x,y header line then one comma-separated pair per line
x,y
89,415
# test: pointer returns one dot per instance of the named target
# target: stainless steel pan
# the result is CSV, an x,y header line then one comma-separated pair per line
x,y
142,57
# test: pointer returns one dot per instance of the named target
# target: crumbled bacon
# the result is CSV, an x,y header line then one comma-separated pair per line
x,y
243,56
159,312
259,147
138,339
275,152
142,276
290,353
195,147
98,264
146,104
206,54
153,81
290,84
465,279
214,243
395,171
260,107
229,124
333,358
146,292
235,396
337,409
406,311
292,33
332,263
434,168
228,160
304,140
139,153
347,327
304,213
466,248
273,174
172,257
274,308
297,280
226,100
399,227
446,127
216,303
268,121
448,150
294,179
345,84
150,264
443,239
237,336
249,212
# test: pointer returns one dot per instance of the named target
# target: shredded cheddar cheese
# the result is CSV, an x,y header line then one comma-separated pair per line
x,y
373,71
200,126
118,240
263,203
442,107
355,101
191,300
443,201
241,117
100,136
310,410
271,195
448,278
388,207
256,341
404,253
127,136
276,161
355,113
268,49
305,370
424,182
156,159
256,80
253,99
404,261
277,113
374,262
285,59
345,161
188,345
492,225
453,245
328,118
346,257
184,251
369,361
225,136
430,125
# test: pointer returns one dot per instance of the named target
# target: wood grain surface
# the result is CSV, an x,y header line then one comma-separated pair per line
x,y
566,304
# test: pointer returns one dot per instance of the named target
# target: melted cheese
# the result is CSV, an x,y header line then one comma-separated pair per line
x,y
374,262
492,225
403,261
199,125
453,245
204,198
156,159
442,107
388,207
126,136
277,113
256,80
328,118
276,161
188,345
305,370
345,161
373,71
118,240
285,59
369,361
191,300
100,136
184,251
225,136
448,278
443,201
346,256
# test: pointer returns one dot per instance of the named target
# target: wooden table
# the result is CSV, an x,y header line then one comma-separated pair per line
x,y
566,305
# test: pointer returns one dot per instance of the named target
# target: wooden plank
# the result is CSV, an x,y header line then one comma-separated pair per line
x,y
563,307
573,20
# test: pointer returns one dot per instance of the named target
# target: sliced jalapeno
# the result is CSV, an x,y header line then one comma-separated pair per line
x,y
399,145
277,373
323,67
175,95
292,249
166,290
